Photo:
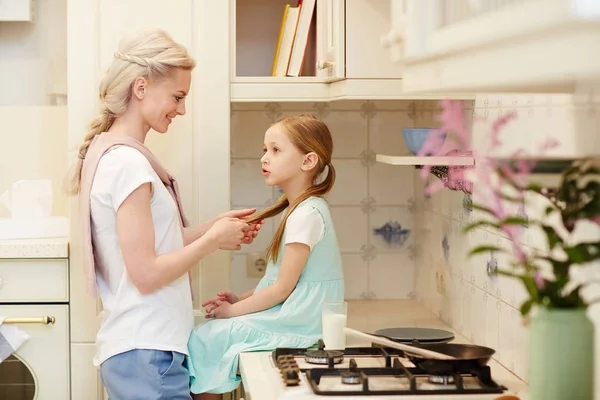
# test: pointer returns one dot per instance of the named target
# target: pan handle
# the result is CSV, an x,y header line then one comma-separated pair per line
x,y
400,346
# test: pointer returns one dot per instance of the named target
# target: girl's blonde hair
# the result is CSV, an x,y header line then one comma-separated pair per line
x,y
151,54
308,134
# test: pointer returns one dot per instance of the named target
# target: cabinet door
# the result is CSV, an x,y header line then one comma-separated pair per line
x,y
39,369
368,25
394,39
331,39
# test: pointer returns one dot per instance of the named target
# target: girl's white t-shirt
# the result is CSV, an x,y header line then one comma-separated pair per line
x,y
304,225
161,320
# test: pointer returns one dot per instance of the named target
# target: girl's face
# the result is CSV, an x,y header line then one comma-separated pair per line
x,y
282,161
164,99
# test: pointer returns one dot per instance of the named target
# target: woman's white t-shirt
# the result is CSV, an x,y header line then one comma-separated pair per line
x,y
161,320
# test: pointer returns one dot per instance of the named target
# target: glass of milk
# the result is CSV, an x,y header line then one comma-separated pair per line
x,y
334,322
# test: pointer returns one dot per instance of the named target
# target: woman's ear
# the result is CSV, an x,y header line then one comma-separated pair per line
x,y
139,87
310,161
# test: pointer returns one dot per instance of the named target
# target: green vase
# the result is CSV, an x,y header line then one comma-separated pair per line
x,y
561,355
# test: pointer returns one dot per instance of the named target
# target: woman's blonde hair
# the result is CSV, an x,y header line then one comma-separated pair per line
x,y
151,54
308,134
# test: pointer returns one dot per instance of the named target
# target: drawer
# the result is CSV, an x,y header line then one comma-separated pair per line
x,y
39,369
34,280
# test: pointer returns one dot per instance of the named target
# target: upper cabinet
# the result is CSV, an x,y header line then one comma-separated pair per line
x,y
17,10
342,56
496,45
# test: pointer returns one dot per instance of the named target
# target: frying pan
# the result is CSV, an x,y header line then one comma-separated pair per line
x,y
466,357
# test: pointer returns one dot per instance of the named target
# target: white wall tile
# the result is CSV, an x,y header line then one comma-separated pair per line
x,y
391,276
351,227
356,276
248,186
349,132
350,183
247,133
390,184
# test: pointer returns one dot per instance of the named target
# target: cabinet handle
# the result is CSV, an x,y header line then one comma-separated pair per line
x,y
390,39
41,320
322,64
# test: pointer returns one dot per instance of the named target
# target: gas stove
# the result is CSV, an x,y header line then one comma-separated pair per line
x,y
375,372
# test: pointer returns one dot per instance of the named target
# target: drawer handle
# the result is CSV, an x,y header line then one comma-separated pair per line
x,y
40,320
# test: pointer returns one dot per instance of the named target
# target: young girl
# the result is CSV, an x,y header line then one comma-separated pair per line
x,y
133,243
303,271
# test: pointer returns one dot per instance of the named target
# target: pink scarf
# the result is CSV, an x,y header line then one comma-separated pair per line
x,y
102,144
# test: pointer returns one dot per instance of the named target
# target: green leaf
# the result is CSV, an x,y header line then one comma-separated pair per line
x,y
483,209
484,249
514,221
526,307
478,224
531,287
549,210
551,236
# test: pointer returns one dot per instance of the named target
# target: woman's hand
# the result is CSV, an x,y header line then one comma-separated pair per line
x,y
229,233
252,232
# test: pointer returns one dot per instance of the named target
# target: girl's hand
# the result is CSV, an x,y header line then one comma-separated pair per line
x,y
223,310
213,303
228,296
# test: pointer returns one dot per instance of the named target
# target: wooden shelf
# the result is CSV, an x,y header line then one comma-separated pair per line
x,y
434,160
260,89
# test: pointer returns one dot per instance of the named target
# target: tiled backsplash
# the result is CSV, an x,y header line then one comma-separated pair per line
x,y
464,292
372,204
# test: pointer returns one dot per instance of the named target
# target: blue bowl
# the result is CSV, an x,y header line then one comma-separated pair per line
x,y
416,137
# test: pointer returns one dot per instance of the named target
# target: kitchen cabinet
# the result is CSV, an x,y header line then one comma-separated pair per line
x,y
345,58
17,10
489,46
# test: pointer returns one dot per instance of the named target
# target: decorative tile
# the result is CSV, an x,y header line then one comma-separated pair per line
x,y
321,110
391,228
273,111
391,276
356,277
368,110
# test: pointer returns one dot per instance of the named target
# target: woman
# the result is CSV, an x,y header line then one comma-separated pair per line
x,y
132,224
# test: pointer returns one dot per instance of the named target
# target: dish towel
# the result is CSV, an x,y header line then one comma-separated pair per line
x,y
11,338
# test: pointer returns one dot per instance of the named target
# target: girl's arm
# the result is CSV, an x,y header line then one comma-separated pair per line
x,y
294,260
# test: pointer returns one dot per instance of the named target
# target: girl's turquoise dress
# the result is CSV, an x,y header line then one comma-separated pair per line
x,y
215,345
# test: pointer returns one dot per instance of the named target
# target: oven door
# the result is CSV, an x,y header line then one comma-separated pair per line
x,y
39,369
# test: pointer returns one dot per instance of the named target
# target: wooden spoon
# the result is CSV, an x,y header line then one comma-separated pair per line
x,y
395,345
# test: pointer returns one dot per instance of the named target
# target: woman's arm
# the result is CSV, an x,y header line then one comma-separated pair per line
x,y
294,260
194,234
149,272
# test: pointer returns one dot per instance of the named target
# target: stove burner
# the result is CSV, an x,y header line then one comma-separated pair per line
x,y
351,376
441,379
324,357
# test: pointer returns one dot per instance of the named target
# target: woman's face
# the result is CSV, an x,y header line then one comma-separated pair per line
x,y
164,99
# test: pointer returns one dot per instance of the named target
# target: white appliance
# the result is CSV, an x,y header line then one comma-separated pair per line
x,y
369,373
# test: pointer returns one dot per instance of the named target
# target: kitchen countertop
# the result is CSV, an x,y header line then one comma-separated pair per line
x,y
369,316
35,248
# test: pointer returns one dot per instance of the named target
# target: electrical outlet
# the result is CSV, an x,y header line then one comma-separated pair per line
x,y
256,265
440,279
